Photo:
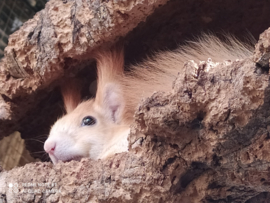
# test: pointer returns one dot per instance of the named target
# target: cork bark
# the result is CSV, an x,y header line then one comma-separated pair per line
x,y
205,141
262,53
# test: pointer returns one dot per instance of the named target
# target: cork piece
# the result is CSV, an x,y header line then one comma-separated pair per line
x,y
205,141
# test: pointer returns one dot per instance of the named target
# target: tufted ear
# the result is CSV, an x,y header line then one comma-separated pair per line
x,y
110,71
71,93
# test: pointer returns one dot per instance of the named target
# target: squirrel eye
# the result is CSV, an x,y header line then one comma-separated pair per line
x,y
88,120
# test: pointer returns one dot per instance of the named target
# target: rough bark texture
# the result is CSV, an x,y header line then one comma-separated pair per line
x,y
206,141
32,104
262,51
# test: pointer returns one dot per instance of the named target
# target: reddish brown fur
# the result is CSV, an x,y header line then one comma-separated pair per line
x,y
158,74
110,68
71,95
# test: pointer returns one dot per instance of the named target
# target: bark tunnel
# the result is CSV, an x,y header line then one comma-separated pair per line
x,y
206,141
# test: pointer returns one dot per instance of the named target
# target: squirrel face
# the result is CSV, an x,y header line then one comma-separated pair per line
x,y
81,133
89,130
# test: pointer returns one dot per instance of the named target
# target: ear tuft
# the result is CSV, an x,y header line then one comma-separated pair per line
x,y
110,70
71,92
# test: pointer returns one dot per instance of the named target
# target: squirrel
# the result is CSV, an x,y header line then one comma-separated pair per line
x,y
98,128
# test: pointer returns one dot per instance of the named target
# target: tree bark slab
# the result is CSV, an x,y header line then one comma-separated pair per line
x,y
205,141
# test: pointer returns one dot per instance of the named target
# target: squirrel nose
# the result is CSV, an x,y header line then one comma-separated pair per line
x,y
49,147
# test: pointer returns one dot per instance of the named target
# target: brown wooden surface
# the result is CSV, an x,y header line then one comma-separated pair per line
x,y
206,141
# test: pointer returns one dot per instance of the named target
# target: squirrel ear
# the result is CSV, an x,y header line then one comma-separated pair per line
x,y
71,93
113,102
110,70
